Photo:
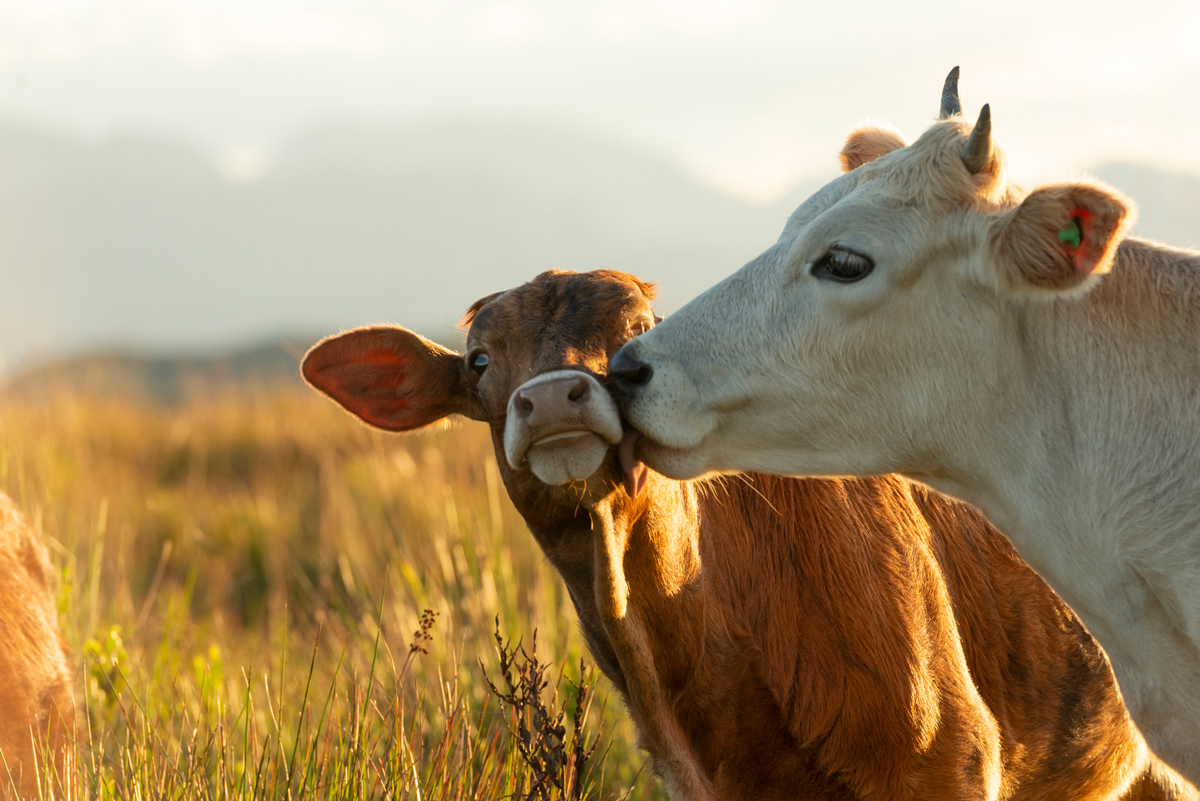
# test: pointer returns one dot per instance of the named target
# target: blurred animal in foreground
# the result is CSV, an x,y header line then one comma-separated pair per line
x,y
773,638
37,709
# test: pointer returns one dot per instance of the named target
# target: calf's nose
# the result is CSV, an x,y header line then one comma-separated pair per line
x,y
549,397
628,371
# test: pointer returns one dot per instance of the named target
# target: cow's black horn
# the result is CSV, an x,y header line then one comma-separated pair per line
x,y
950,102
977,152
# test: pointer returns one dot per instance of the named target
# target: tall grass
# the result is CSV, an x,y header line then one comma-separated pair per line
x,y
244,582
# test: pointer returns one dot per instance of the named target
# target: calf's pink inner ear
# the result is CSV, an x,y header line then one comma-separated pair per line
x,y
389,377
1061,235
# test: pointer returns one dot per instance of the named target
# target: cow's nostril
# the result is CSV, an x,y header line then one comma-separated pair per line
x,y
628,371
579,392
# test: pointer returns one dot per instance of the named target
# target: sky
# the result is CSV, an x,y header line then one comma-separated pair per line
x,y
749,96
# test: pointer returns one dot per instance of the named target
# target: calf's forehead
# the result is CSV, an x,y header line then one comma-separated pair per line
x,y
558,312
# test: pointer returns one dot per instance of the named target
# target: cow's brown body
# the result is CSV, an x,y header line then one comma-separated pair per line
x,y
36,705
780,638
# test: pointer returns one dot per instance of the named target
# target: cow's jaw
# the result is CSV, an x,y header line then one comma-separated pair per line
x,y
684,409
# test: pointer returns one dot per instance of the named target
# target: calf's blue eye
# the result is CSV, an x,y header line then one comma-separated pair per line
x,y
479,362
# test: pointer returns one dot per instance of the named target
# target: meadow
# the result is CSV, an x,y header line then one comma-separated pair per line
x,y
267,600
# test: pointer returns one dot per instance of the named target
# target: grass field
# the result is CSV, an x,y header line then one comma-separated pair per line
x,y
243,580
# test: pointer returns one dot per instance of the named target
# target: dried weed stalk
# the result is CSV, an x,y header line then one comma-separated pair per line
x,y
559,763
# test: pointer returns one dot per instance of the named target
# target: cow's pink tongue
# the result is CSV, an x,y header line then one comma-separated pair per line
x,y
636,473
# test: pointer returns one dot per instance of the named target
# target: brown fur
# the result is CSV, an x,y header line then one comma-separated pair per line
x,y
793,638
37,709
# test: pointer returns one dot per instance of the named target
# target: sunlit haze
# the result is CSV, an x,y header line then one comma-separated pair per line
x,y
749,98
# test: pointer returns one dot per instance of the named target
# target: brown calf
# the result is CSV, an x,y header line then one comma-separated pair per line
x,y
773,638
37,709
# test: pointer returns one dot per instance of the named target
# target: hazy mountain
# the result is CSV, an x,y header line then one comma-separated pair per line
x,y
141,241
1168,203
165,377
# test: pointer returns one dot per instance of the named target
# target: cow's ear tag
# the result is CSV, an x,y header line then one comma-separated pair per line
x,y
1072,234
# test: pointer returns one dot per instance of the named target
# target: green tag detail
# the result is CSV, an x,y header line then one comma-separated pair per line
x,y
1070,234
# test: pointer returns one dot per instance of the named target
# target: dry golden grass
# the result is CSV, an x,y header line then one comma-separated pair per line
x,y
241,580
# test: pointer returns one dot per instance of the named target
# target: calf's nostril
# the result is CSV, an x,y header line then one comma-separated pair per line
x,y
524,404
579,391
628,371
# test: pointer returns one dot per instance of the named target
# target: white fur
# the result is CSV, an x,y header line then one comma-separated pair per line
x,y
1072,420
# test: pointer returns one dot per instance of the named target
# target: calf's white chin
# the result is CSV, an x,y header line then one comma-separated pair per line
x,y
565,457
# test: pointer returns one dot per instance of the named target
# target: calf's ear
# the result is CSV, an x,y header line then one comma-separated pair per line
x,y
1060,236
390,377
867,144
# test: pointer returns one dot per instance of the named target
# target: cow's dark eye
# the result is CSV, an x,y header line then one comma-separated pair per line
x,y
478,361
842,265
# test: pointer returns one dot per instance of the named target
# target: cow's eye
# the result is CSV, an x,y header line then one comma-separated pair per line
x,y
842,265
478,361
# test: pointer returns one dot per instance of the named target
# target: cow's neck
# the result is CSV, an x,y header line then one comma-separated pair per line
x,y
1091,462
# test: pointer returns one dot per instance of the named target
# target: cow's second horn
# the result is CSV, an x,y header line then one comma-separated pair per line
x,y
950,102
977,151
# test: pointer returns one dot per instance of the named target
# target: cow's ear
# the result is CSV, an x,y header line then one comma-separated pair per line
x,y
867,144
390,377
1061,236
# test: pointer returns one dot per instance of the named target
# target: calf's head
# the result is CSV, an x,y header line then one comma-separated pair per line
x,y
533,370
884,312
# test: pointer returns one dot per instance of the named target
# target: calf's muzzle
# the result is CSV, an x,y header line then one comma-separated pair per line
x,y
562,423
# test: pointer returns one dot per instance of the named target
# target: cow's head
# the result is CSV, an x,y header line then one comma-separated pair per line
x,y
535,360
891,303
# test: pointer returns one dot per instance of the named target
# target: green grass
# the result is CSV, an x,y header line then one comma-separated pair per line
x,y
243,580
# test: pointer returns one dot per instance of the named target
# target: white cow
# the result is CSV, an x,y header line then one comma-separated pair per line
x,y
922,315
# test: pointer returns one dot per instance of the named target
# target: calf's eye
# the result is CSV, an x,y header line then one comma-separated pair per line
x,y
479,362
842,265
